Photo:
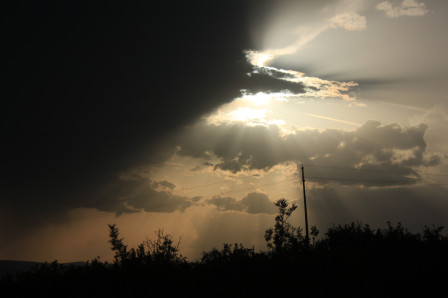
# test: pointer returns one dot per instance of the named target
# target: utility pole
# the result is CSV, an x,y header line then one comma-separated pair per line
x,y
304,204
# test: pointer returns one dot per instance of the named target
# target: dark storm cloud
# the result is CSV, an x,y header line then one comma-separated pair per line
x,y
120,196
133,195
155,196
94,90
382,154
252,203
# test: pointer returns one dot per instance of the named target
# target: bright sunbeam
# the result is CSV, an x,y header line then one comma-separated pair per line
x,y
248,115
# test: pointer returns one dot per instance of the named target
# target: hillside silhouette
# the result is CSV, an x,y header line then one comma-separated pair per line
x,y
351,260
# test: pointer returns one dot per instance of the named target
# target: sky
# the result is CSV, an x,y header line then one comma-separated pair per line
x,y
195,118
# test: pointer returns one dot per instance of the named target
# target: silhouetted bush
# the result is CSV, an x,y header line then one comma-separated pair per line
x,y
227,254
159,251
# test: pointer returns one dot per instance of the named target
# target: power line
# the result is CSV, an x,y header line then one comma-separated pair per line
x,y
359,180
373,171
409,182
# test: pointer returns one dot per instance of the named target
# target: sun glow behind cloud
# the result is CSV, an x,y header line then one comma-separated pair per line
x,y
249,109
263,108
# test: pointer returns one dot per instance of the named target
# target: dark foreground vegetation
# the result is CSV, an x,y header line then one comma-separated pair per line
x,y
353,260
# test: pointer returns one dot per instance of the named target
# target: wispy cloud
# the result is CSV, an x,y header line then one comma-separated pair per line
x,y
406,8
304,36
350,21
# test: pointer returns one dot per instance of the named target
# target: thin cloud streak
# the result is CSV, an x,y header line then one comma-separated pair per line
x,y
335,120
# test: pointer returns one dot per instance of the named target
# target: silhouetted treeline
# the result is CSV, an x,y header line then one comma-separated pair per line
x,y
350,260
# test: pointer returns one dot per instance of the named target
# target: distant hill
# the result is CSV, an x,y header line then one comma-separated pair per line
x,y
7,266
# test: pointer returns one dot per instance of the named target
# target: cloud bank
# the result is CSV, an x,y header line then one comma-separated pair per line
x,y
372,147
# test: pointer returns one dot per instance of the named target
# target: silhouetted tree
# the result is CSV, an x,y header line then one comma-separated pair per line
x,y
121,253
284,237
